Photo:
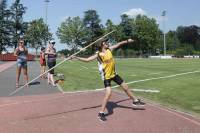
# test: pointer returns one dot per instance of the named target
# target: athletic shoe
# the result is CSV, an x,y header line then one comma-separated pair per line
x,y
102,117
138,103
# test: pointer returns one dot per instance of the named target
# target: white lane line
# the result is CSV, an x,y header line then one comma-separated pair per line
x,y
146,90
84,67
143,80
133,75
84,91
154,73
59,88
170,76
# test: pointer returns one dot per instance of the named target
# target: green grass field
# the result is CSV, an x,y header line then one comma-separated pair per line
x,y
181,92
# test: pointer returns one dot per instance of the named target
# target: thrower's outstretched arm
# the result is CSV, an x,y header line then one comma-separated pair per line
x,y
119,44
93,57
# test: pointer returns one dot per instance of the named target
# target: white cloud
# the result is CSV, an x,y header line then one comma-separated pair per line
x,y
135,11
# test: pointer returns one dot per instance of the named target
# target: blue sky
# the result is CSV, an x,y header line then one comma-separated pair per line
x,y
179,12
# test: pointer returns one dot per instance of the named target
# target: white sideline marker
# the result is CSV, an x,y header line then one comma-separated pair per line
x,y
84,67
147,90
155,91
137,81
163,77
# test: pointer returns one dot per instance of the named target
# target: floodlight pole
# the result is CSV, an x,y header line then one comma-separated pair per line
x,y
164,35
46,1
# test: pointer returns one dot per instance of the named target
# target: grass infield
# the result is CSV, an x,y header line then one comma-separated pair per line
x,y
182,91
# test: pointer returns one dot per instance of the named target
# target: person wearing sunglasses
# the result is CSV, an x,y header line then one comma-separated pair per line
x,y
21,52
108,72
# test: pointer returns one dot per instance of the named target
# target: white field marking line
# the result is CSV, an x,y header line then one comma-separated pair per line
x,y
174,112
154,73
59,88
135,82
85,67
84,91
160,77
143,80
133,75
147,90
60,63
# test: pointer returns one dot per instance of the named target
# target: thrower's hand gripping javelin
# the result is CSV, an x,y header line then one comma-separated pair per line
x,y
17,90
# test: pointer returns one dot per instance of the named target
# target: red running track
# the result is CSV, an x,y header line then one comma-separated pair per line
x,y
77,113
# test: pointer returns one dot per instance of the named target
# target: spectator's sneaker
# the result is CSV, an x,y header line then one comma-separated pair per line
x,y
138,103
102,117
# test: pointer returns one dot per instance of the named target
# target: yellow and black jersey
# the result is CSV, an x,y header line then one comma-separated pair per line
x,y
106,64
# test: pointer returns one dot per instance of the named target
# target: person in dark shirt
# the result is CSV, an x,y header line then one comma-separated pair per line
x,y
42,62
51,61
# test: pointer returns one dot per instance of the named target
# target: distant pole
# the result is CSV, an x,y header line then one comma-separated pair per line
x,y
46,15
164,37
46,12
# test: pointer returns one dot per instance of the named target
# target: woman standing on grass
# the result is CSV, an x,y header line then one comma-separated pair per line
x,y
107,68
21,52
51,61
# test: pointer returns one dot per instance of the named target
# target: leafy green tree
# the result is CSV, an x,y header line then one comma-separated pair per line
x,y
116,36
72,32
146,34
128,27
37,34
172,41
18,25
125,30
189,35
4,26
186,49
92,21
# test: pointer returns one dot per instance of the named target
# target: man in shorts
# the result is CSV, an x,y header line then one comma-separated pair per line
x,y
106,64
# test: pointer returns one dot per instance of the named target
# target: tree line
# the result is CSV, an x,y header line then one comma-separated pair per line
x,y
77,32
12,28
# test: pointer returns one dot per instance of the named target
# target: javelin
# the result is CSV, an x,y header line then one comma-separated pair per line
x,y
14,92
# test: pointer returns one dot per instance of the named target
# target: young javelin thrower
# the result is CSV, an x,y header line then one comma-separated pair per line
x,y
106,64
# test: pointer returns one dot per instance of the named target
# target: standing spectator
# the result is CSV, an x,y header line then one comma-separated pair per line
x,y
21,52
42,62
51,61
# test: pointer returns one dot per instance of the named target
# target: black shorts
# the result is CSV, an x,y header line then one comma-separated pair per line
x,y
50,65
117,79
